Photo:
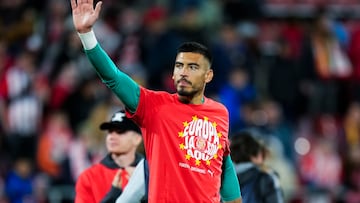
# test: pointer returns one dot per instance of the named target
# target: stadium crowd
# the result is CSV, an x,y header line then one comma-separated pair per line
x,y
293,81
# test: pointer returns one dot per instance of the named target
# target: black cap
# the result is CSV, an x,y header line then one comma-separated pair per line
x,y
119,121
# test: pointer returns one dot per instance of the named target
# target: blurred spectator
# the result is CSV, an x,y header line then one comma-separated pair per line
x,y
258,183
79,103
351,192
230,52
293,35
283,81
53,19
24,106
321,169
350,128
249,33
53,147
322,66
234,94
268,121
17,21
63,86
277,159
354,50
19,182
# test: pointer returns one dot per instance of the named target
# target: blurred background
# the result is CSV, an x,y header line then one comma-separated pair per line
x,y
287,70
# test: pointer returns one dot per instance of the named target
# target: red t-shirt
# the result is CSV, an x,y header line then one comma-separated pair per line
x,y
184,145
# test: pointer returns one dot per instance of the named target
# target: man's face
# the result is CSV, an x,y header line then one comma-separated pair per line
x,y
118,142
191,73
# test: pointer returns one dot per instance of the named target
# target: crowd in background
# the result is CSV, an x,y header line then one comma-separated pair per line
x,y
293,81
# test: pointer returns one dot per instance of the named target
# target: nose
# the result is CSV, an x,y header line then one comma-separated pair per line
x,y
184,71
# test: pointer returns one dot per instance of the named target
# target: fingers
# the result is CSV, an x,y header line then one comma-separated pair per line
x,y
116,179
73,4
97,8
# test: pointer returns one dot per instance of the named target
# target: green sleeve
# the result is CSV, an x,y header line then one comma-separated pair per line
x,y
230,189
125,88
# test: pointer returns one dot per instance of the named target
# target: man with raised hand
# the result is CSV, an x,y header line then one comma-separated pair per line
x,y
186,134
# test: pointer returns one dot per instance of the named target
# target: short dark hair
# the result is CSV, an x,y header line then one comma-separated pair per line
x,y
244,146
195,47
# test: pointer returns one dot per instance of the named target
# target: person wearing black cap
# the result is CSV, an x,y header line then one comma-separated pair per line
x,y
104,181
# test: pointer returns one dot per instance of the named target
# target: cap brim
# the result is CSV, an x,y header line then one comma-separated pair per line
x,y
112,125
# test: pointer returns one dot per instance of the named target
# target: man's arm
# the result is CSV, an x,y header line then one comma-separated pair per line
x,y
84,17
125,88
230,189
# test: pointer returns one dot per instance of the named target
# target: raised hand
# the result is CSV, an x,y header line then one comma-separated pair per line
x,y
84,14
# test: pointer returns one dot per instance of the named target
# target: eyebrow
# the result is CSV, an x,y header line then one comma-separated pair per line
x,y
190,64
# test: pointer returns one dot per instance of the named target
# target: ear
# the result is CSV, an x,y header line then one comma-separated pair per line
x,y
209,75
137,140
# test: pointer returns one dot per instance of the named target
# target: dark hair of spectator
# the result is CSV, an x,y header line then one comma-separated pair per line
x,y
244,146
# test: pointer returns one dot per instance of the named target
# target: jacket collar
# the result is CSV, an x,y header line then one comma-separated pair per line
x,y
108,162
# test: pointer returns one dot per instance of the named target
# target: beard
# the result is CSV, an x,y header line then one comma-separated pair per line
x,y
183,92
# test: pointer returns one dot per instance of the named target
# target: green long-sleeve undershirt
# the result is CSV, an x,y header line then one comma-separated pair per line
x,y
128,91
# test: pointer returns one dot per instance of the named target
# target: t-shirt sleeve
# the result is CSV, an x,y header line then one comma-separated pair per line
x,y
230,189
227,144
148,102
125,88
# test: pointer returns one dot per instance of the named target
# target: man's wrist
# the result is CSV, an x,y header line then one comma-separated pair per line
x,y
88,39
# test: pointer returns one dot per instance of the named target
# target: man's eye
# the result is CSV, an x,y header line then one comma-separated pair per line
x,y
194,67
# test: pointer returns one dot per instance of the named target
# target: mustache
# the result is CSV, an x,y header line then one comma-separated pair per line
x,y
183,80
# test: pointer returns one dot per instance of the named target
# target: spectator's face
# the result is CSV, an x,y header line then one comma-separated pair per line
x,y
122,142
191,73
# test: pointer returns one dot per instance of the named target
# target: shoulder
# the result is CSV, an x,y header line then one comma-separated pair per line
x,y
158,94
267,181
216,105
91,170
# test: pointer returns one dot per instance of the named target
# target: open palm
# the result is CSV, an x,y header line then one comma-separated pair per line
x,y
84,14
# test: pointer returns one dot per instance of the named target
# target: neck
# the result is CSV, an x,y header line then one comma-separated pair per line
x,y
123,160
196,99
